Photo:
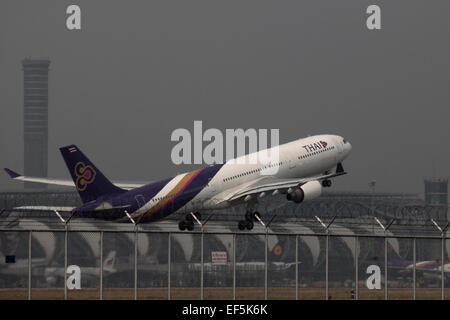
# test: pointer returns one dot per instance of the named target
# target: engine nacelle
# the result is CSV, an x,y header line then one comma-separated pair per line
x,y
306,192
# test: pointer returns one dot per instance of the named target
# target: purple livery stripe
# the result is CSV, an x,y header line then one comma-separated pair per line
x,y
171,196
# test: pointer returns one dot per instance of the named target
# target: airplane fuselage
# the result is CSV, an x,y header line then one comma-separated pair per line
x,y
205,188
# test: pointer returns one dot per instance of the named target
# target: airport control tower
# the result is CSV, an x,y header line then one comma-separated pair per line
x,y
436,195
35,118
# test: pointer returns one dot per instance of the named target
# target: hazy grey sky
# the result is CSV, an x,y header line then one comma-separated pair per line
x,y
140,69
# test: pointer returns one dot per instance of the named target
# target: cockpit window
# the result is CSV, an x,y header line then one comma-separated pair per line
x,y
343,140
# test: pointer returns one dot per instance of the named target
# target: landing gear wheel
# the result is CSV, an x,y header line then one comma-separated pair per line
x,y
182,225
190,225
241,225
326,183
249,225
189,217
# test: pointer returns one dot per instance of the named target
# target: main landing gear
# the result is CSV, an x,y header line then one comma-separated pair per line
x,y
250,217
188,222
326,183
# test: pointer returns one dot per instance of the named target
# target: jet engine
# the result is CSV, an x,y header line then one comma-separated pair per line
x,y
308,191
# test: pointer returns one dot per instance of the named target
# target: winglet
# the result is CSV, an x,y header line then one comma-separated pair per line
x,y
11,173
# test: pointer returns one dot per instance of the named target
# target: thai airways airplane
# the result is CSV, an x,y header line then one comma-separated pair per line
x,y
303,167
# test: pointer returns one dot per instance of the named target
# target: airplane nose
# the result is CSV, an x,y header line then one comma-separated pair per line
x,y
349,147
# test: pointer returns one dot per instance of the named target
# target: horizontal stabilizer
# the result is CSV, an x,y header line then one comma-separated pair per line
x,y
11,173
67,183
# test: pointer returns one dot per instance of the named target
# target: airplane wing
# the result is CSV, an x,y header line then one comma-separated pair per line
x,y
270,183
59,182
44,208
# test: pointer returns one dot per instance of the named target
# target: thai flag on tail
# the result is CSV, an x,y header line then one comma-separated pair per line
x,y
72,149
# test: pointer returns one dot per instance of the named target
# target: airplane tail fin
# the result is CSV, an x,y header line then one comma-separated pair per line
x,y
394,258
89,181
109,264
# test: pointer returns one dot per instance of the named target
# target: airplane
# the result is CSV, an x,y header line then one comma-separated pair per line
x,y
88,274
303,168
430,269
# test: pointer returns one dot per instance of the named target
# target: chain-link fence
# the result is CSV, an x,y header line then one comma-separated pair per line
x,y
140,264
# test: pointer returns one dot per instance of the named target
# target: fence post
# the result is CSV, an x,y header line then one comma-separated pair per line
x,y
29,264
296,267
326,227
442,268
169,267
356,269
135,262
442,230
234,266
265,267
385,268
326,265
101,265
201,273
385,229
65,263
414,269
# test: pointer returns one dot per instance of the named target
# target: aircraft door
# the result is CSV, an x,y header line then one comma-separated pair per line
x,y
340,148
